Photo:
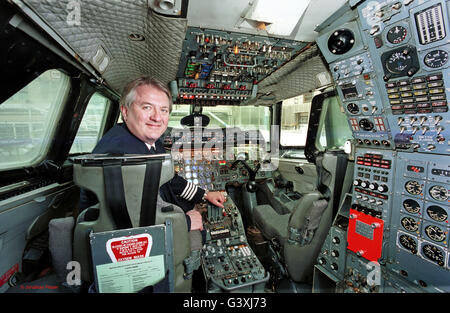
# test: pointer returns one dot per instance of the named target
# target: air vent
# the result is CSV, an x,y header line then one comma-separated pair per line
x,y
341,41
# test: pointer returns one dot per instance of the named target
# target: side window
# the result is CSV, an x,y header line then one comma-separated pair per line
x,y
333,130
295,120
28,120
91,125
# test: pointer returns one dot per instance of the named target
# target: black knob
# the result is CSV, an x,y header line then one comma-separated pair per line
x,y
365,184
383,188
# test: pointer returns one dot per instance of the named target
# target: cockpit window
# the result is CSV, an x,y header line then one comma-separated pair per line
x,y
28,119
295,119
247,117
91,125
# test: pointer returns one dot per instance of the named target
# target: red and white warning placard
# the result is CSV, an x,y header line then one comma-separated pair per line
x,y
129,247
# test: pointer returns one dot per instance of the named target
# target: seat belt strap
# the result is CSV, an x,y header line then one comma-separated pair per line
x,y
150,192
115,194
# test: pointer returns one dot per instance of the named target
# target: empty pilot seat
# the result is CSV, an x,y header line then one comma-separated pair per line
x,y
127,189
300,232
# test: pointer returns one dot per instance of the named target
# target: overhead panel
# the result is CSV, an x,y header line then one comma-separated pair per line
x,y
218,67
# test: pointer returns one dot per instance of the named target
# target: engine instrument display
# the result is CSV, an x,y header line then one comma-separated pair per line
x,y
411,206
439,193
413,187
408,243
436,58
435,233
410,224
396,34
437,213
434,254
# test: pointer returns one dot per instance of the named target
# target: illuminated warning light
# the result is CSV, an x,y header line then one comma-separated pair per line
x,y
236,49
222,162
415,169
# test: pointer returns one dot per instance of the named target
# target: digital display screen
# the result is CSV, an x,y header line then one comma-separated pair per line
x,y
440,172
415,169
430,24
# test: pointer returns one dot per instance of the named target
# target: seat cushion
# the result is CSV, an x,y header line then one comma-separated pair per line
x,y
271,224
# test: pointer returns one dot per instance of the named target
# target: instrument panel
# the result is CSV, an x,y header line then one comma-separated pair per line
x,y
393,77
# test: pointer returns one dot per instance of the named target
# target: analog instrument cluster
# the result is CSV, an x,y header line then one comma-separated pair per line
x,y
211,171
391,69
422,221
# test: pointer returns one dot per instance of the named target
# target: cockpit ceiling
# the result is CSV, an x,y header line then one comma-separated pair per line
x,y
125,39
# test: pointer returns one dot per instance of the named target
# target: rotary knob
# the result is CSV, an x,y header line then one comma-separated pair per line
x,y
373,186
383,188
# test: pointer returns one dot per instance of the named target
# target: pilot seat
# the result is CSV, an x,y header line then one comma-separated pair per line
x,y
300,233
132,182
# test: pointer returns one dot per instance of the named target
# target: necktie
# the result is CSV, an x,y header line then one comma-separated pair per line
x,y
152,150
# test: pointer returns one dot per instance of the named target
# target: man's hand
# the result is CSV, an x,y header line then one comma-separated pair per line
x,y
196,220
216,198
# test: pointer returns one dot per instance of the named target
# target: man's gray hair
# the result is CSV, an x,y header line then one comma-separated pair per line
x,y
129,92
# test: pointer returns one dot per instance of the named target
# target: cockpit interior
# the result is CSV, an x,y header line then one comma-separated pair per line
x,y
324,124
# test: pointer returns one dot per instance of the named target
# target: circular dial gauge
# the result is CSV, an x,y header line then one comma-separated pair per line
x,y
396,34
413,187
398,62
353,108
434,254
439,193
435,233
408,243
437,213
411,206
436,58
366,124
410,224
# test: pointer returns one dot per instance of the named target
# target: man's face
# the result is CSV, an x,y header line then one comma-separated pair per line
x,y
148,116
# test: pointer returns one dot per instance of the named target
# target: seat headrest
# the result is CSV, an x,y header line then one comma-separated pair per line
x,y
130,163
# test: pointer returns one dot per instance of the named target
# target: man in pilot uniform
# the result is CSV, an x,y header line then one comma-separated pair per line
x,y
146,105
